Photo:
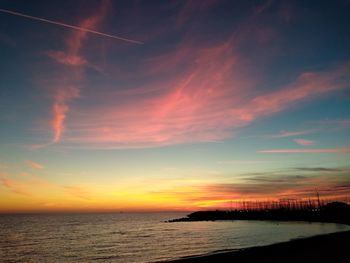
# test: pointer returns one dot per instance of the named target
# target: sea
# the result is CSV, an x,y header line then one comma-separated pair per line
x,y
136,237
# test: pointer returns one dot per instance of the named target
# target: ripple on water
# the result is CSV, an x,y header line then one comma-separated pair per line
x,y
135,237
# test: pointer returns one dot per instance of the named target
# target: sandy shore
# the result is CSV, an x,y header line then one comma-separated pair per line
x,y
332,248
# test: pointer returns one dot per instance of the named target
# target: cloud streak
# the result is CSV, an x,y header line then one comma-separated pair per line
x,y
243,162
69,60
77,191
205,103
35,165
284,134
67,85
336,150
319,169
304,142
271,186
196,91
15,187
339,122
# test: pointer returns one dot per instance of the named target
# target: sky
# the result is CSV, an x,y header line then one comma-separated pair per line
x,y
172,105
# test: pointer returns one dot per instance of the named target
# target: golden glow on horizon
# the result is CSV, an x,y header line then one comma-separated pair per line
x,y
205,115
20,196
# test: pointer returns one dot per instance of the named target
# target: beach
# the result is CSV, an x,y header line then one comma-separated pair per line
x,y
334,247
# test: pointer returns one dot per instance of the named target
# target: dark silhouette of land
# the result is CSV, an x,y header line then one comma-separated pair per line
x,y
334,248
334,212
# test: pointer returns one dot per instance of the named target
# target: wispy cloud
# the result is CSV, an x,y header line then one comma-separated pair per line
x,y
220,194
336,150
307,84
78,191
298,188
15,186
67,85
319,169
197,91
284,134
304,142
292,185
28,185
35,165
240,161
66,59
320,126
336,122
207,103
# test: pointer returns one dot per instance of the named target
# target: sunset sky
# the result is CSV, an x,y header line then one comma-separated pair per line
x,y
210,101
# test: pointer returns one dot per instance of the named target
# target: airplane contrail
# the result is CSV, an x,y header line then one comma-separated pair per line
x,y
70,26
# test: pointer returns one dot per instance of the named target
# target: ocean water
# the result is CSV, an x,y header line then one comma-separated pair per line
x,y
135,237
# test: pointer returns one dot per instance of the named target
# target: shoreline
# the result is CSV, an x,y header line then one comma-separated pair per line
x,y
334,212
333,247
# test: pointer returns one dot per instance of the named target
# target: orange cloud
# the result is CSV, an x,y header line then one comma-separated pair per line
x,y
337,150
77,191
59,110
36,187
263,186
304,142
15,186
35,165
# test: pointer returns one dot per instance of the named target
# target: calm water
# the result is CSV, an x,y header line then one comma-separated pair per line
x,y
131,237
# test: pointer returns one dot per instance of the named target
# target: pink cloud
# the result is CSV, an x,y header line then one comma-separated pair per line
x,y
66,59
7,182
35,165
284,134
66,85
178,112
197,92
204,101
306,85
304,142
336,150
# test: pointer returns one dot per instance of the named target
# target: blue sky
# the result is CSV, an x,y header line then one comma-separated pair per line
x,y
223,100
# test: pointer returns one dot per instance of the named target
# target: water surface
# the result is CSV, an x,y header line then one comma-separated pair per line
x,y
136,237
